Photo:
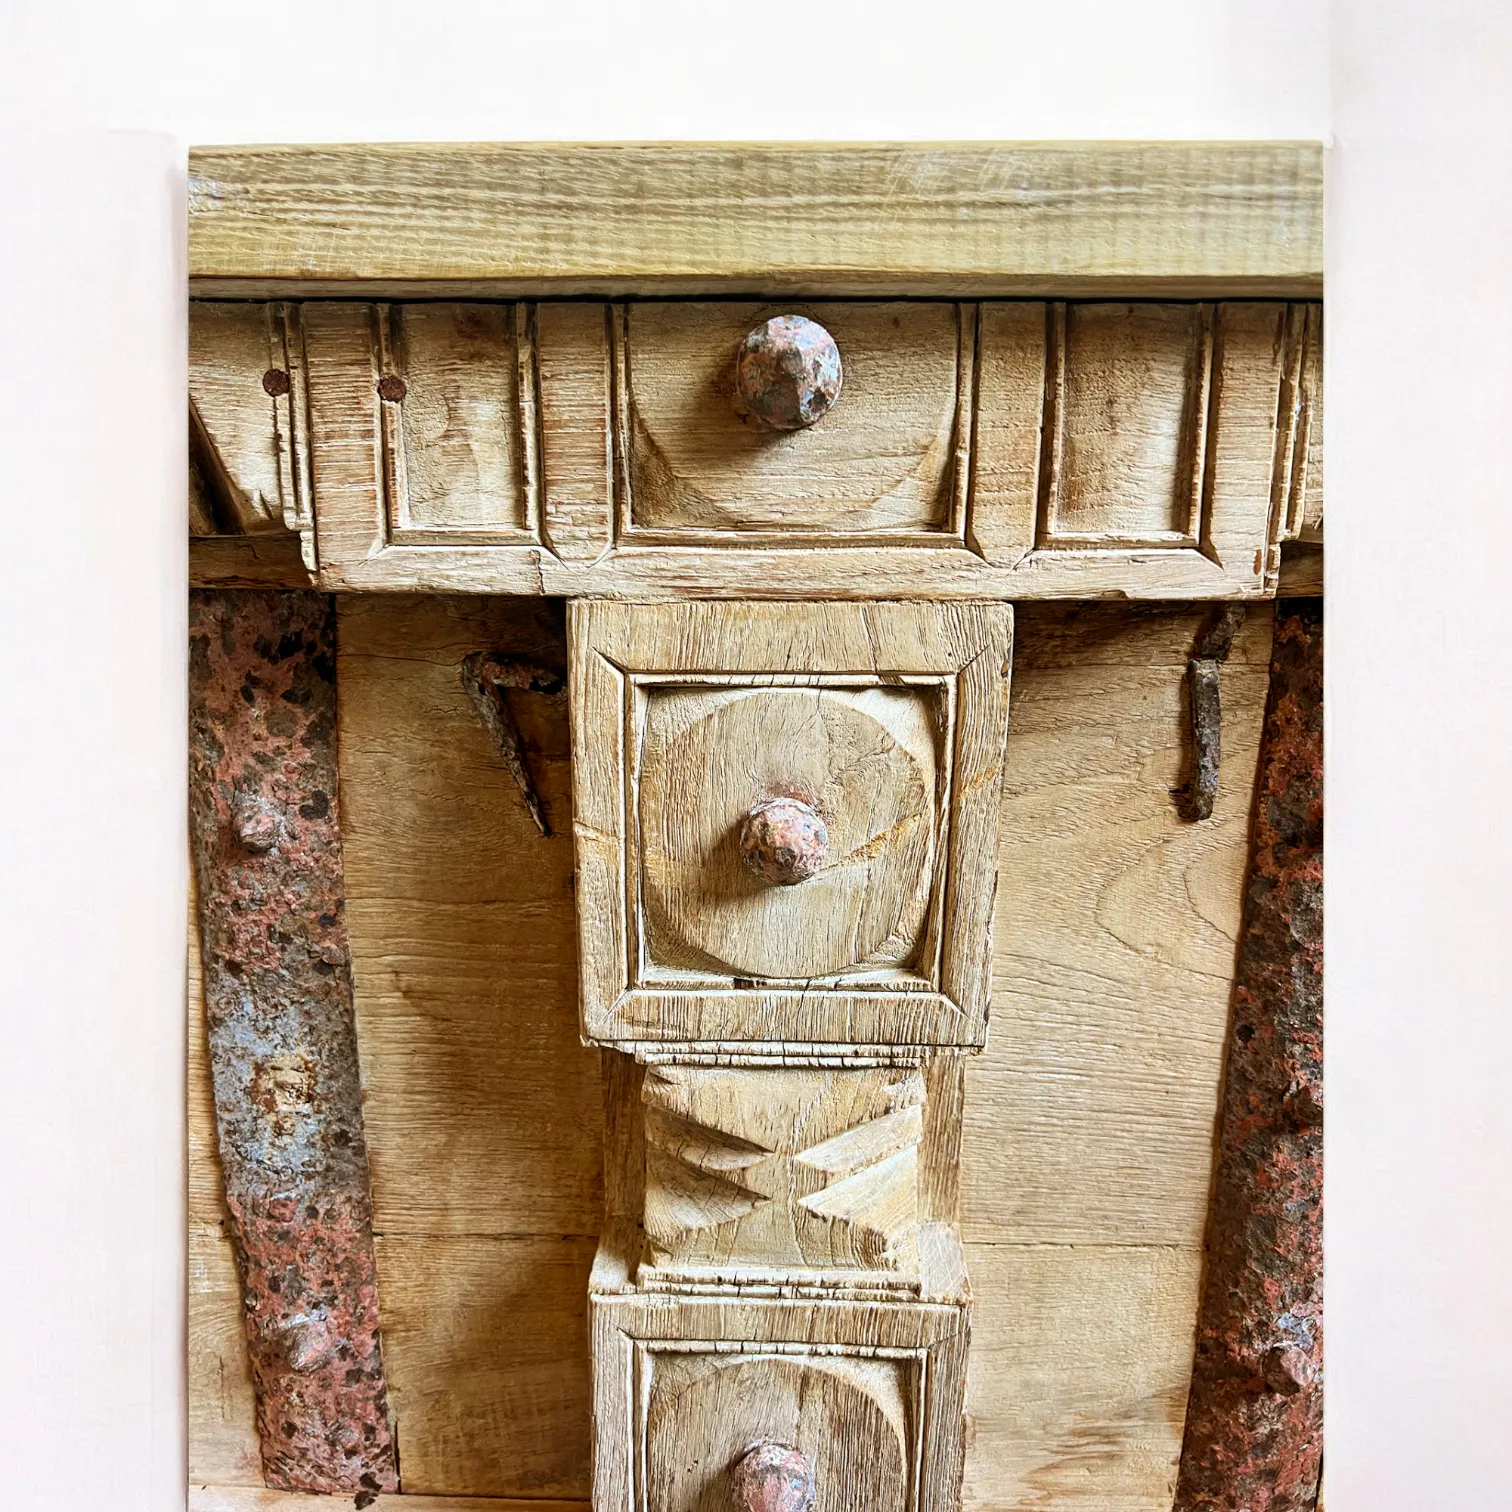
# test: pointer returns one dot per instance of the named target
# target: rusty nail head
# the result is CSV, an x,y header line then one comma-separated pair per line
x,y
259,825
392,388
275,383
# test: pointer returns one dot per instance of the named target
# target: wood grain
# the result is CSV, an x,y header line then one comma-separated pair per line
x,y
1150,450
1086,1156
1090,1117
485,1339
459,443
900,1365
460,914
795,1171
1121,218
1080,1361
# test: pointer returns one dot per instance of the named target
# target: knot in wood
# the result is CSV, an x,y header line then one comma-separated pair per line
x,y
788,372
258,822
773,1477
784,841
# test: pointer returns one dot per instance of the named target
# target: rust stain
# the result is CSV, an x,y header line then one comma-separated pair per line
x,y
1255,1413
283,1046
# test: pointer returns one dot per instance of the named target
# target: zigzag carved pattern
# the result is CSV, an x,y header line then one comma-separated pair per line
x,y
735,1175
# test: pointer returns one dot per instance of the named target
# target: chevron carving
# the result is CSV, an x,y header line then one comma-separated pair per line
x,y
805,1168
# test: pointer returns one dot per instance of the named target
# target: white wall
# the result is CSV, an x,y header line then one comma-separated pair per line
x,y
1420,393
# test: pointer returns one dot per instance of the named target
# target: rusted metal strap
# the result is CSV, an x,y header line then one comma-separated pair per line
x,y
1255,1414
283,1045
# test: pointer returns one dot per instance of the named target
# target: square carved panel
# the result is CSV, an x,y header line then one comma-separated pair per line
x,y
871,1394
786,820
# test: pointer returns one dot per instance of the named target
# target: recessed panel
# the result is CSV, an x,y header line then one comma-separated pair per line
x,y
696,462
865,760
455,388
854,1420
1129,416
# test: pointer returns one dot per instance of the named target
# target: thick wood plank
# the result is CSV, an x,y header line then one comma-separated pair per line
x,y
1135,218
482,1108
1090,1117
486,1341
1070,450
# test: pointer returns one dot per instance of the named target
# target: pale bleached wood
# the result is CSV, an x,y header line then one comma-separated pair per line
x,y
572,344
1306,500
484,1344
958,653
459,447
796,1170
1012,349
632,1336
1090,1118
345,432
853,1419
867,759
880,463
1087,1151
1131,218
460,914
223,1444
1081,1357
248,436
217,1498
1127,416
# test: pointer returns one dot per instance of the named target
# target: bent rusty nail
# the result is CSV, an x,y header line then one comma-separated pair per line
x,y
487,675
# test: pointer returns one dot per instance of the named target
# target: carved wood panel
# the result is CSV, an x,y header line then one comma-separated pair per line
x,y
885,719
1004,449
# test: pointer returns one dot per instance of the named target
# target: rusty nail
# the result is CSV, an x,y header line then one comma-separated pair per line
x,y
392,388
275,383
1211,651
486,676
259,825
308,1341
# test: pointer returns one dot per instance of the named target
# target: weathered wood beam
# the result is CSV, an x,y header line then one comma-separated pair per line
x,y
1255,1415
283,1044
977,218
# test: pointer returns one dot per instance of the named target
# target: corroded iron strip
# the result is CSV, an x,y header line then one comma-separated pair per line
x,y
1255,1415
283,1046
